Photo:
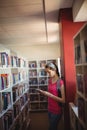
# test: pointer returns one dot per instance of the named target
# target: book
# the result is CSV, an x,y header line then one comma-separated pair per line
x,y
0,83
0,61
6,127
15,92
2,123
42,63
6,100
80,82
77,54
4,81
33,73
33,81
32,64
16,109
85,49
85,84
42,81
8,119
81,109
1,105
4,59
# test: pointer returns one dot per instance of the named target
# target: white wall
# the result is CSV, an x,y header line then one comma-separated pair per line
x,y
38,52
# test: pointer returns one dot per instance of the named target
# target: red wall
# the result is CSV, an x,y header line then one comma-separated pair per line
x,y
68,31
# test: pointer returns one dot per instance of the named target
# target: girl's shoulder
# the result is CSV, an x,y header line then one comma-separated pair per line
x,y
61,82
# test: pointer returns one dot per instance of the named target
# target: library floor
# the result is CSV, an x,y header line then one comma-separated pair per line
x,y
39,121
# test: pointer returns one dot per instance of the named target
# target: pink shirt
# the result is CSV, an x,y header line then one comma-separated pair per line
x,y
53,105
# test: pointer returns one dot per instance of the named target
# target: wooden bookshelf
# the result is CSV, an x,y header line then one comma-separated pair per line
x,y
80,51
38,78
14,90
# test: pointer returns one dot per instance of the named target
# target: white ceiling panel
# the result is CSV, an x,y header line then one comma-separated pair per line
x,y
21,10
30,22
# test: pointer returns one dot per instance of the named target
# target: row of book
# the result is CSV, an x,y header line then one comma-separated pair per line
x,y
18,62
5,97
19,90
41,64
40,81
16,77
33,73
32,64
82,83
37,98
14,61
4,81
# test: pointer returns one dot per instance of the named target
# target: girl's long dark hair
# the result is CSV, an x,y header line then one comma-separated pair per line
x,y
57,70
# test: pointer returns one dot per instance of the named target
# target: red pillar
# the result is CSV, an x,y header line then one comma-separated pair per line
x,y
68,31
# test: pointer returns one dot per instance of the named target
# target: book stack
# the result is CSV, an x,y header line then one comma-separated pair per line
x,y
33,81
81,111
42,63
16,109
32,64
85,48
80,83
4,81
43,81
14,61
85,84
77,54
15,78
6,100
8,119
4,59
15,93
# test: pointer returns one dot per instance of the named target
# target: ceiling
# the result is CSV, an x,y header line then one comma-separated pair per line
x,y
30,22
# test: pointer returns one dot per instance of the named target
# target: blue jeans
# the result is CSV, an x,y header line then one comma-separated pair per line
x,y
53,120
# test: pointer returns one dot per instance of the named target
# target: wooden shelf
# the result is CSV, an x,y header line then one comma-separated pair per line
x,y
14,89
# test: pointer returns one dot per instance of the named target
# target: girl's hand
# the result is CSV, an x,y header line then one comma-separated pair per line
x,y
39,90
42,92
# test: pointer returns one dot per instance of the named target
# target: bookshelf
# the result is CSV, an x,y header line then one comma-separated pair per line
x,y
14,90
38,78
78,111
